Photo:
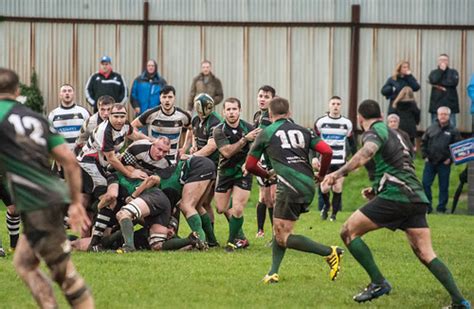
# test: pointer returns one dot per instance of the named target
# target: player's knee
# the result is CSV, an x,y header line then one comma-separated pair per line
x,y
156,241
345,234
281,239
129,211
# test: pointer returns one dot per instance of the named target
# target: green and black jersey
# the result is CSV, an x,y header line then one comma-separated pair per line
x,y
226,135
395,177
27,140
203,130
261,119
287,145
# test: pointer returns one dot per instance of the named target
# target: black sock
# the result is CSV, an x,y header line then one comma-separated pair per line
x,y
327,204
101,223
336,202
261,214
270,213
13,225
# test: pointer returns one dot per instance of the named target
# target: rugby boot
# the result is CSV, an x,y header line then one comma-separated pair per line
x,y
270,279
373,291
334,261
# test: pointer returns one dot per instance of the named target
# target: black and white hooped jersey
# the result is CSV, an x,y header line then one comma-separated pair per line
x,y
87,128
68,122
335,131
105,139
161,124
138,155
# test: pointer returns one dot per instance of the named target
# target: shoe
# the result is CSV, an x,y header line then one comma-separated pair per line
x,y
11,250
332,218
465,304
324,214
241,243
260,234
269,244
270,279
125,249
197,243
373,291
2,252
96,248
334,262
230,247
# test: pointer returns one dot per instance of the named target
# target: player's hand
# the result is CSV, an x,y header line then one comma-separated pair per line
x,y
244,170
272,176
368,193
318,178
447,161
78,219
330,179
193,149
185,157
138,174
316,164
253,134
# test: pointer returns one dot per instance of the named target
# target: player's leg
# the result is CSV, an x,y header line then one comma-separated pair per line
x,y
13,226
134,210
206,221
158,236
325,189
261,212
420,242
189,201
105,214
239,200
336,197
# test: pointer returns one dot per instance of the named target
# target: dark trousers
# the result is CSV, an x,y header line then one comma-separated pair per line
x,y
429,174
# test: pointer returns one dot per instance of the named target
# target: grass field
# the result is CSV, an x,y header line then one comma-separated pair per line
x,y
218,279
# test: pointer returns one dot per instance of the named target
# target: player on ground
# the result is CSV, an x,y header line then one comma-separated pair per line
x,y
41,198
397,202
267,189
334,129
166,120
232,138
287,146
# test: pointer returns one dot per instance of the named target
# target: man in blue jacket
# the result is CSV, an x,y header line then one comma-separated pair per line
x,y
146,89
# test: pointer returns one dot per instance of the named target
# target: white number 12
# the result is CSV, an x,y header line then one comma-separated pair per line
x,y
29,123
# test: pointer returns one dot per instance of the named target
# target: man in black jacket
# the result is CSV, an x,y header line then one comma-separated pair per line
x,y
444,81
105,82
435,150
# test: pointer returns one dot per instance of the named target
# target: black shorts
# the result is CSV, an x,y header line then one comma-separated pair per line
x,y
396,215
5,196
199,169
159,206
225,183
334,167
44,230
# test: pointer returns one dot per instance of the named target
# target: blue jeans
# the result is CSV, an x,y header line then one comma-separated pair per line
x,y
429,174
452,119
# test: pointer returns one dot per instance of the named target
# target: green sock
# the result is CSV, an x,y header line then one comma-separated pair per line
x,y
362,254
278,252
195,224
241,234
302,243
235,224
207,227
126,226
442,273
175,243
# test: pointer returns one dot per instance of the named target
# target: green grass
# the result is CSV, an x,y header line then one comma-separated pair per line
x,y
217,279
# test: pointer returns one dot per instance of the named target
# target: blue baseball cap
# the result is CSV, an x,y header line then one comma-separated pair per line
x,y
105,59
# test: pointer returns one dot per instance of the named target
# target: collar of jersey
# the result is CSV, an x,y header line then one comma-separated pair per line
x,y
68,107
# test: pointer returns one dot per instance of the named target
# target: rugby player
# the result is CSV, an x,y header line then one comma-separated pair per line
x,y
232,138
397,201
12,219
41,198
287,146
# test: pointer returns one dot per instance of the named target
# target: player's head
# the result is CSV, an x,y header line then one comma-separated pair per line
x,y
231,111
167,97
206,67
118,116
335,103
160,148
393,121
368,110
9,83
66,94
104,105
204,105
278,108
264,96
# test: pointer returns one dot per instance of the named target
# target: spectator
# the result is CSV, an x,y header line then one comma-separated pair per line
x,y
105,82
444,81
206,82
470,92
393,122
406,108
145,93
435,151
400,78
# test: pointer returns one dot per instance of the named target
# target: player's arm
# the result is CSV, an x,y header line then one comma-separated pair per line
x,y
228,150
137,135
326,155
208,149
118,166
136,123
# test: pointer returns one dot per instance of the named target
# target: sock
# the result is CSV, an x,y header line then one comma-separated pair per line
x,y
177,215
108,241
195,224
442,273
270,213
208,230
176,243
278,252
235,224
261,214
302,243
101,223
126,226
362,254
240,233
327,204
336,202
13,225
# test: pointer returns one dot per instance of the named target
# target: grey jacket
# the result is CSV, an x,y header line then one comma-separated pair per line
x,y
212,87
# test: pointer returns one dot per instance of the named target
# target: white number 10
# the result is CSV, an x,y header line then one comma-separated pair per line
x,y
295,137
29,123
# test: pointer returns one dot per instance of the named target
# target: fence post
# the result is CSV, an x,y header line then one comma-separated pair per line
x,y
145,34
354,63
